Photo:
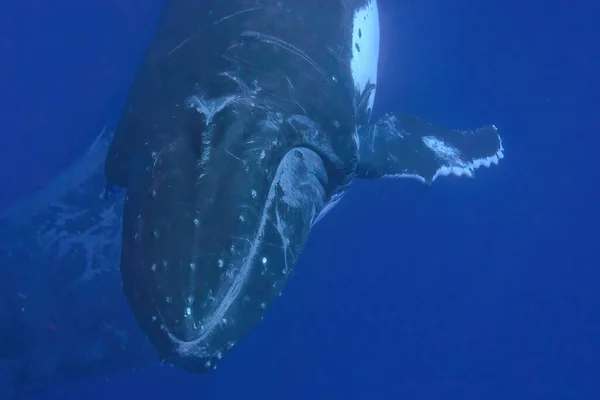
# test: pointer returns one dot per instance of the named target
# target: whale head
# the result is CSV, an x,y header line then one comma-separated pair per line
x,y
238,135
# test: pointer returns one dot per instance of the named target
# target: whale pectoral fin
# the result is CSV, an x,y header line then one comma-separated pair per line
x,y
403,146
63,234
59,254
71,209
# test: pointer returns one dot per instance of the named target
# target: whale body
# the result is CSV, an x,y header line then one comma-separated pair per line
x,y
247,121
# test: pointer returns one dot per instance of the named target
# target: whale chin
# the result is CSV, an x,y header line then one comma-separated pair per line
x,y
206,251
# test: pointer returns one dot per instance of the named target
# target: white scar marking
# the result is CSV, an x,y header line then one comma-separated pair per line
x,y
210,107
186,40
284,45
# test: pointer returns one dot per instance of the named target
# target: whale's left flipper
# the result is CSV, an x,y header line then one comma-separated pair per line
x,y
404,146
61,305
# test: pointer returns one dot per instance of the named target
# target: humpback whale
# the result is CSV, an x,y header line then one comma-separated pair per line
x,y
246,122
293,101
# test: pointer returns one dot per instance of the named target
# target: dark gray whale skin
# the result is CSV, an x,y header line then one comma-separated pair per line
x,y
246,122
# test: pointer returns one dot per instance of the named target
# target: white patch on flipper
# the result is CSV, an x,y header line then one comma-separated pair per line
x,y
456,165
365,36
390,124
407,175
442,150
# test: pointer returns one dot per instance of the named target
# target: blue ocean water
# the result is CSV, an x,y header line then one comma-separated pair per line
x,y
468,289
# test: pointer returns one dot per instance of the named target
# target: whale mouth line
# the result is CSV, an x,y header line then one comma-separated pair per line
x,y
232,288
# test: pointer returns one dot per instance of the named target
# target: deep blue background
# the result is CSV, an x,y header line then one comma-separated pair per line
x,y
470,289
